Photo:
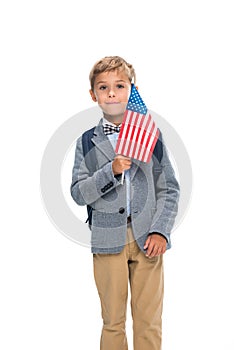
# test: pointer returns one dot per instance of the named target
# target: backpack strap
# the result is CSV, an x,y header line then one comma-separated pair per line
x,y
158,149
90,160
87,146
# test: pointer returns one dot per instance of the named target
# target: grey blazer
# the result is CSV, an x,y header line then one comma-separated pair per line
x,y
154,196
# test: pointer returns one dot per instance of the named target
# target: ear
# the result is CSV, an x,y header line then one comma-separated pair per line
x,y
92,95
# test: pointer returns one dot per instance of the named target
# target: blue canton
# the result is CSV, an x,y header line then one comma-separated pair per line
x,y
135,102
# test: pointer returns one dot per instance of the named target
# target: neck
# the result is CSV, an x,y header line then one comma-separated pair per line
x,y
115,119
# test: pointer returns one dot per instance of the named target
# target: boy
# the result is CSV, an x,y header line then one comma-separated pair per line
x,y
131,221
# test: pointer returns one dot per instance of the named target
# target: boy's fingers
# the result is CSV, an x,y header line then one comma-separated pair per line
x,y
147,243
150,249
121,163
154,246
122,157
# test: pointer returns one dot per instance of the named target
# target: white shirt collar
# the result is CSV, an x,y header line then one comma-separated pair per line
x,y
105,121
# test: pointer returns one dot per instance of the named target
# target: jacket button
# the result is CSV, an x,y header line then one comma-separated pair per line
x,y
121,210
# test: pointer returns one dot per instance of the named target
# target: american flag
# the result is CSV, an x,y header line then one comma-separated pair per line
x,y
139,133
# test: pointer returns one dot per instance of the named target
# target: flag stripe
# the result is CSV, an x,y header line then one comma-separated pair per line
x,y
134,133
131,133
145,150
152,146
137,136
144,128
141,131
149,140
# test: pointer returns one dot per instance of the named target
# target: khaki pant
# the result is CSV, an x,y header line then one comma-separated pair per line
x,y
112,273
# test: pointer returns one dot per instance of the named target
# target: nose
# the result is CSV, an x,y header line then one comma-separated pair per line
x,y
111,93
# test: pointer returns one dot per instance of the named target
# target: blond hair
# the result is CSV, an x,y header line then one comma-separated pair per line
x,y
111,63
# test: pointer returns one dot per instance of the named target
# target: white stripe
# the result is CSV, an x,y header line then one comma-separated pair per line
x,y
152,138
145,139
124,151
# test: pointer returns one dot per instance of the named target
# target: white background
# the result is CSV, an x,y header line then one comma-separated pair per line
x,y
183,55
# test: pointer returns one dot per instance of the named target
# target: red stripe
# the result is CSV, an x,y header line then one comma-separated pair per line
x,y
126,129
137,135
153,145
142,138
149,138
140,119
141,157
130,135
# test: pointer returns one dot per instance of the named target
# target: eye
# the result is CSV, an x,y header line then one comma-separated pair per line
x,y
103,87
120,86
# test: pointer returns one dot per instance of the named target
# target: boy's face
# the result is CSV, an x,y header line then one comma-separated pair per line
x,y
111,91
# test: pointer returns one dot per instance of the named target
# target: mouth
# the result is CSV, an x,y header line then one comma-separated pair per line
x,y
112,103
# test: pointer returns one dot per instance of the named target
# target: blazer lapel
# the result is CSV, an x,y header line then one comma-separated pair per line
x,y
102,142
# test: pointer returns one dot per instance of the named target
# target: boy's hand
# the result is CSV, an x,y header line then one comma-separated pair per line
x,y
121,163
155,245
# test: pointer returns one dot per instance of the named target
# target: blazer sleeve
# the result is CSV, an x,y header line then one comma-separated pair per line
x,y
167,191
86,189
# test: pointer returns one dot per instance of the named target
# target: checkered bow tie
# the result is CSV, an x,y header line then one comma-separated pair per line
x,y
110,129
